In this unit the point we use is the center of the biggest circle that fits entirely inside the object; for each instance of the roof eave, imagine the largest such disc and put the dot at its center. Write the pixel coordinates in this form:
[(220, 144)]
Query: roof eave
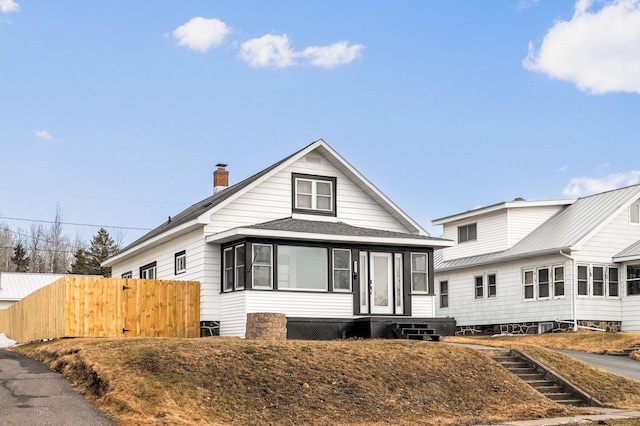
[(500, 206), (238, 233), (157, 240), (507, 258)]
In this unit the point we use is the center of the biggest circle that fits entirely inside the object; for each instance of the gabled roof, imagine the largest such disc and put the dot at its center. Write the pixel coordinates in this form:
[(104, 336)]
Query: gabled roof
[(567, 230), (195, 216), (299, 229)]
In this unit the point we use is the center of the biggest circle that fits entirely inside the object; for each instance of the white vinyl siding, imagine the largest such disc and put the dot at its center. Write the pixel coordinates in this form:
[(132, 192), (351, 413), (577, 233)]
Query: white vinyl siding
[(490, 236), (272, 200)]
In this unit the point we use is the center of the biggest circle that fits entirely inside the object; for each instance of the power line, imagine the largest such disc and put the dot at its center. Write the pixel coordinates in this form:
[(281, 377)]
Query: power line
[(75, 224)]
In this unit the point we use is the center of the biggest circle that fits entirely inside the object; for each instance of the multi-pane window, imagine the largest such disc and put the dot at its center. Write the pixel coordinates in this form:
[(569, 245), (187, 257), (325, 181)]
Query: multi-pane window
[(341, 270), (527, 280), (238, 263), (543, 283), (634, 213), (127, 275), (558, 281), (180, 262), (583, 280), (148, 272), (614, 286), (633, 280), (397, 280), (479, 287), (467, 233), (262, 264), (314, 194), (597, 284), (492, 285), (419, 282), (444, 294)]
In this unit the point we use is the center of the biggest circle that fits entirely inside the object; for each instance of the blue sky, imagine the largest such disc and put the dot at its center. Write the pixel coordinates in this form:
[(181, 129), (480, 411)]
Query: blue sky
[(118, 111)]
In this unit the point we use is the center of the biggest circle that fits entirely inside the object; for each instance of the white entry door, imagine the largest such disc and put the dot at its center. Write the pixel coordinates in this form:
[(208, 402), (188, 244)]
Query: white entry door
[(381, 277)]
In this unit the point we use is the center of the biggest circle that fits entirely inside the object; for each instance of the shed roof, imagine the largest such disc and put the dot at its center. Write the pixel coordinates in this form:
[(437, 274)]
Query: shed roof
[(630, 253)]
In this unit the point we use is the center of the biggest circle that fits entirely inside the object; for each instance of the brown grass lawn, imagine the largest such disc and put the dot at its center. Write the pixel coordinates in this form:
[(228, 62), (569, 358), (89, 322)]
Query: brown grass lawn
[(229, 381)]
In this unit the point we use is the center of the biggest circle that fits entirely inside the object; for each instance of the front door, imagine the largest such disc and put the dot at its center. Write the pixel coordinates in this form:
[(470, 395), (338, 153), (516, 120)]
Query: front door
[(381, 277)]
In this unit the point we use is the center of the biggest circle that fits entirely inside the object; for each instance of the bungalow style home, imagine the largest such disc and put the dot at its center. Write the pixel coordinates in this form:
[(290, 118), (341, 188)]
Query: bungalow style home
[(309, 237), (536, 266)]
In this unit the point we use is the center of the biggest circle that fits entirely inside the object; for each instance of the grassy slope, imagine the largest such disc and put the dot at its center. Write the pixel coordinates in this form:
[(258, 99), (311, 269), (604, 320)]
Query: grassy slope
[(232, 381), (613, 390)]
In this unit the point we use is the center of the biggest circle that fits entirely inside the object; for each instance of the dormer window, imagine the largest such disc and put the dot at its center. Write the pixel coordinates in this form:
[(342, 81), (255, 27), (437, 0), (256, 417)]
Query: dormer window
[(314, 194), (467, 233)]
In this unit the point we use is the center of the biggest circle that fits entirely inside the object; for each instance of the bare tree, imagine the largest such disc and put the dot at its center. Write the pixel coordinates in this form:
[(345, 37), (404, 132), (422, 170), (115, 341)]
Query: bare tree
[(6, 248)]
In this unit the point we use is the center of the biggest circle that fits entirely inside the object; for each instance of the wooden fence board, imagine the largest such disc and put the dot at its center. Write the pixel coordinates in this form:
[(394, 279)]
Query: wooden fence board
[(104, 307)]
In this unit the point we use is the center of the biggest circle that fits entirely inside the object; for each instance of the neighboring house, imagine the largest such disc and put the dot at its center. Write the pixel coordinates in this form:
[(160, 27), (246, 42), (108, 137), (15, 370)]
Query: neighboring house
[(309, 237), (533, 266), (14, 286)]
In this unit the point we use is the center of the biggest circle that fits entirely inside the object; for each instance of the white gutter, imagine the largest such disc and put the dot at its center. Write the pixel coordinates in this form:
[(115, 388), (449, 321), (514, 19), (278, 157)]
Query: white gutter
[(573, 290)]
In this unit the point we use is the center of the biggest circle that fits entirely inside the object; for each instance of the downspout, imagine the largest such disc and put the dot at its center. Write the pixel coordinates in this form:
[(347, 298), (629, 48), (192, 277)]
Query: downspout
[(574, 294)]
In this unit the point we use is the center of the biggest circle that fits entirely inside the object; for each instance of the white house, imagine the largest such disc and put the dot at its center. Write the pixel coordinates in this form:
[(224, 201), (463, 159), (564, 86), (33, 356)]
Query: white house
[(14, 286), (309, 237), (533, 266)]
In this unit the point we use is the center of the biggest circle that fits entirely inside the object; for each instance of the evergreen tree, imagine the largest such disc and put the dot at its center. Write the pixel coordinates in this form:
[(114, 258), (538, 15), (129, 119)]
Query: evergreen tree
[(87, 262), (80, 263), (19, 258)]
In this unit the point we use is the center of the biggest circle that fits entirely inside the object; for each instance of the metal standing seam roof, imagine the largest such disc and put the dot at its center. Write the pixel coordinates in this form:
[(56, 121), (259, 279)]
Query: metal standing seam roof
[(566, 229), (632, 251), (15, 286)]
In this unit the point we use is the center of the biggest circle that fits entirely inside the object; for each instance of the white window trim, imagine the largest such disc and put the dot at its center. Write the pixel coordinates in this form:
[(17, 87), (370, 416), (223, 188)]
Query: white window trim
[(476, 287), (548, 282), (426, 273), (225, 268), (146, 269), (533, 285), (563, 281), (466, 227), (635, 206), (443, 294)]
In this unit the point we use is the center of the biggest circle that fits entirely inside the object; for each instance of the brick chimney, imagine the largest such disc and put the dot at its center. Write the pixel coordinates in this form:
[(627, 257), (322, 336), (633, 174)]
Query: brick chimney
[(220, 178)]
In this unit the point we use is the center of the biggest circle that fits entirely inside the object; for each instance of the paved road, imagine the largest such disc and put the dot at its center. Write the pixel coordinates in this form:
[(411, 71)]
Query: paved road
[(623, 366), (31, 394)]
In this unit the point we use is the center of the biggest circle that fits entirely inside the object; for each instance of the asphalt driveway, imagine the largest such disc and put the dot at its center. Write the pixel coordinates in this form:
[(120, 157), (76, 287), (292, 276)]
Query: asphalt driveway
[(621, 365), (31, 394)]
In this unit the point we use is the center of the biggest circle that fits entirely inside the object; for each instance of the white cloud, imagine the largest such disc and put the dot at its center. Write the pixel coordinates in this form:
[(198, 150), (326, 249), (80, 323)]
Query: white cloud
[(43, 134), (526, 4), (275, 51), (562, 168), (268, 51), (597, 49), (201, 34), (579, 187), (8, 6), (331, 56)]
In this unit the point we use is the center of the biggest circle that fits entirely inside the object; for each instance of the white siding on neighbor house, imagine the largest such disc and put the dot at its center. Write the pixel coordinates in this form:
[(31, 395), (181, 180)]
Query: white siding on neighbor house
[(599, 308), (509, 305), (272, 200), (611, 240), (523, 220), (491, 236), (422, 306), (630, 312)]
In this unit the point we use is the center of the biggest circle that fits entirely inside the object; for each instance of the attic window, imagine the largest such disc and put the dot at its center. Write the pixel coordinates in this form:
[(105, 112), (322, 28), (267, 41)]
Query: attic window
[(467, 233), (314, 194)]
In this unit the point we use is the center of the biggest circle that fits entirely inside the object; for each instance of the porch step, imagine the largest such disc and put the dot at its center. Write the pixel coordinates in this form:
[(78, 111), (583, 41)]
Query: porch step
[(414, 331), (537, 379)]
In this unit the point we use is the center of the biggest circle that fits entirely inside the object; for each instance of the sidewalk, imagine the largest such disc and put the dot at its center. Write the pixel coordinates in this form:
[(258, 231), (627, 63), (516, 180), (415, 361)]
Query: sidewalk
[(608, 414), (31, 394)]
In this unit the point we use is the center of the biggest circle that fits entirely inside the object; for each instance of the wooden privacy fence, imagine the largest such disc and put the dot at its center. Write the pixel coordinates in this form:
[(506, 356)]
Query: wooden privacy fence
[(105, 307)]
